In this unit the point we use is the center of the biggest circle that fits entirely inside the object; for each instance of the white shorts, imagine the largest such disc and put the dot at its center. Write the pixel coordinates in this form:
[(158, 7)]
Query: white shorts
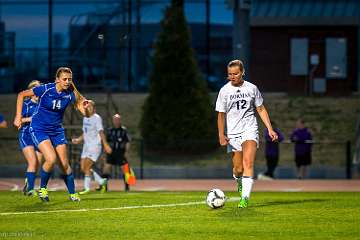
[(91, 151), (234, 144)]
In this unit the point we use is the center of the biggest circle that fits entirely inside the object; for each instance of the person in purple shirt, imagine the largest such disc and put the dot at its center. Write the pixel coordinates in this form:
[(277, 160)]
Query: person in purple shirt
[(271, 153), (302, 137), (3, 123)]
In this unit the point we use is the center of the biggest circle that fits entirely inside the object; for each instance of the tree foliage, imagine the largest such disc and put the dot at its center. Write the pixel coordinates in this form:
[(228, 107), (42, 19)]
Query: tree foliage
[(178, 112)]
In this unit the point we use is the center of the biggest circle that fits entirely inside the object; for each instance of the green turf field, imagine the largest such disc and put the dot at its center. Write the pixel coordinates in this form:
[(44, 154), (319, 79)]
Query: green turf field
[(130, 216)]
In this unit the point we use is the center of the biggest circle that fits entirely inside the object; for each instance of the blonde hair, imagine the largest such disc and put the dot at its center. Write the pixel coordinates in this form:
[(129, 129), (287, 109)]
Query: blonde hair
[(237, 63), (34, 83), (61, 70), (78, 95)]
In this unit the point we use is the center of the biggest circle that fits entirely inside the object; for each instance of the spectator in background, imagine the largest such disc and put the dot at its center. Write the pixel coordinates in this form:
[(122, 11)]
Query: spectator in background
[(3, 123), (271, 153), (301, 136)]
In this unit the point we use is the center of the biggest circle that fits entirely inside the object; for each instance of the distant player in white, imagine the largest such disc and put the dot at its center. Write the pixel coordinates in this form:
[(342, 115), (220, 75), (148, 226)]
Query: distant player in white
[(237, 102), (93, 135)]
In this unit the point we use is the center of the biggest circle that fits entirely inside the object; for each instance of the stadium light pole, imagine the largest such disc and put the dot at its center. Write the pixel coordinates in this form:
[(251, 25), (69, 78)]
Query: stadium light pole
[(50, 13), (101, 37), (241, 30), (129, 46), (208, 29)]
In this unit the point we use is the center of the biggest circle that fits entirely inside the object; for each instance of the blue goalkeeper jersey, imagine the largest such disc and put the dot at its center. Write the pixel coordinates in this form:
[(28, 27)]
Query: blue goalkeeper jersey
[(29, 107), (49, 114)]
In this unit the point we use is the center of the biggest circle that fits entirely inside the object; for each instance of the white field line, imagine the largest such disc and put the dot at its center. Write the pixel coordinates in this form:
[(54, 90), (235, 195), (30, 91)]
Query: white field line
[(114, 209)]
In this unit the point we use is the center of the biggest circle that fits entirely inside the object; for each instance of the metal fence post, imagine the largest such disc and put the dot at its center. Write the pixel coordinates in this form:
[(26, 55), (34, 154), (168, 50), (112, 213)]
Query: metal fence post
[(348, 160), (141, 159)]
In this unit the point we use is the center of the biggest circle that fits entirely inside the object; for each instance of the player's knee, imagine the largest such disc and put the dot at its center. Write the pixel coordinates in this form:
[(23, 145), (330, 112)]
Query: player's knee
[(51, 159), (238, 170), (248, 164)]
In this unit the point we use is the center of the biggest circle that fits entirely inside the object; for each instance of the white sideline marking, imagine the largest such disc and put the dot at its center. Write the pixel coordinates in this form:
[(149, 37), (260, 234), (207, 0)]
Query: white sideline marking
[(117, 208), (292, 190)]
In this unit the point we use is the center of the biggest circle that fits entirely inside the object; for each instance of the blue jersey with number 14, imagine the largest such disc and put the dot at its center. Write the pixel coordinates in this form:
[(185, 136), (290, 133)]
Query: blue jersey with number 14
[(52, 105)]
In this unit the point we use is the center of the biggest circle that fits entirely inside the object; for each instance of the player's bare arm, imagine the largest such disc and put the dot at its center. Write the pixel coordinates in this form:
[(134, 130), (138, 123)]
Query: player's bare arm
[(19, 106), (81, 102), (266, 120), (223, 140), (78, 140), (106, 145)]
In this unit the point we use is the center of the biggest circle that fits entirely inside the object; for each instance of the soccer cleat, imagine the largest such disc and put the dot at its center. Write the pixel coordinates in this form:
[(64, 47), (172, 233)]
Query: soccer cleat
[(104, 187), (243, 203), (86, 191), (31, 193), (43, 195), (24, 190), (74, 197)]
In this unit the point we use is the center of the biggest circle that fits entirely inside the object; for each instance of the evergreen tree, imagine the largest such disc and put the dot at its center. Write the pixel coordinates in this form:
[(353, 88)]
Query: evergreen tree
[(178, 112)]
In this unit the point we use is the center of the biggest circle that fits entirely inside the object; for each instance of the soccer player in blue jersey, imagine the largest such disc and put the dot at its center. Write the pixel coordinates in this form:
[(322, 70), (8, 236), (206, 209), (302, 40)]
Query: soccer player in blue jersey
[(46, 126), (32, 155)]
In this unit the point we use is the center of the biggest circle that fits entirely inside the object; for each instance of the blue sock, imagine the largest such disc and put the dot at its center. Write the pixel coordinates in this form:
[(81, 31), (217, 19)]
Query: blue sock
[(45, 176), (30, 176), (70, 183)]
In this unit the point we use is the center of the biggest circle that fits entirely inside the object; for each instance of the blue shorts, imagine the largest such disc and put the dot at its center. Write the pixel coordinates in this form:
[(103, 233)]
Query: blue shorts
[(25, 140), (56, 138)]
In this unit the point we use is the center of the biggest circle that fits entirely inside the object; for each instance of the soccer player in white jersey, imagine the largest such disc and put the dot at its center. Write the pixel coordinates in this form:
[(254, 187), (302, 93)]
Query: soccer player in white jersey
[(93, 135), (237, 102)]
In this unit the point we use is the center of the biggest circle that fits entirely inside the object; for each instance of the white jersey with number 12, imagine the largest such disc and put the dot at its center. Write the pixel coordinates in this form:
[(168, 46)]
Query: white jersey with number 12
[(239, 104)]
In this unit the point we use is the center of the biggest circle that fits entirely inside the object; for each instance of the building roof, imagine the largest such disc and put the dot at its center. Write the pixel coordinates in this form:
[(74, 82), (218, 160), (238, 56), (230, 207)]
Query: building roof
[(305, 12)]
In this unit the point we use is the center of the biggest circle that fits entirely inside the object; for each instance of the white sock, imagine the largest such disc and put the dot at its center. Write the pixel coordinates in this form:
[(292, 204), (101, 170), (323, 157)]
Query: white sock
[(247, 183), (97, 177), (87, 181)]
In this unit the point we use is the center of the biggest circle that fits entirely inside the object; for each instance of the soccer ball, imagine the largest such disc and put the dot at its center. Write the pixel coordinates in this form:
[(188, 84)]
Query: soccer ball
[(215, 198)]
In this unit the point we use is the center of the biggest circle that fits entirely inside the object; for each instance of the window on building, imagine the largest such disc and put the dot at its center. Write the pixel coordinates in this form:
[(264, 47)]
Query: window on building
[(299, 56), (336, 62)]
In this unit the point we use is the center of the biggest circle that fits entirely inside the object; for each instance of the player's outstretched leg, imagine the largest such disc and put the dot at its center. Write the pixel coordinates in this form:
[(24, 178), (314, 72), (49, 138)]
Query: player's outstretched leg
[(87, 182), (239, 184), (101, 181), (104, 188), (238, 170)]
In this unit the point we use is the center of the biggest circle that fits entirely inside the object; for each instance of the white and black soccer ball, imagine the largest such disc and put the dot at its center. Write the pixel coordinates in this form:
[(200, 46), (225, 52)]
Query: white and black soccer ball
[(215, 198)]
